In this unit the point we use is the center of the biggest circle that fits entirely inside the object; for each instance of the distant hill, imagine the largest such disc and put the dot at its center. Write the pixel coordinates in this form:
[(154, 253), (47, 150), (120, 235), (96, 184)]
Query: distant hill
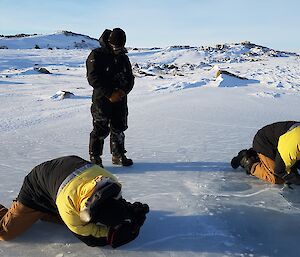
[(59, 40), (227, 52)]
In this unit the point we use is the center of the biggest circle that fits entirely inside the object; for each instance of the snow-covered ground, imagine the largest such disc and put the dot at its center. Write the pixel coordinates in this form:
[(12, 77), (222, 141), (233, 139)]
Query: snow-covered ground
[(185, 125)]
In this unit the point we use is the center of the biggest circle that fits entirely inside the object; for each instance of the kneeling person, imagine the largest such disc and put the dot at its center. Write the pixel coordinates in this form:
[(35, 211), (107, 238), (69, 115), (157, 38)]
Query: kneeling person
[(275, 154), (83, 196)]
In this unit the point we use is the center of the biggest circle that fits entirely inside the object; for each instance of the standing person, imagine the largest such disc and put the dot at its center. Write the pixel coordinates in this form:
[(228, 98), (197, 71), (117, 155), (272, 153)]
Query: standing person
[(275, 154), (109, 72), (72, 191)]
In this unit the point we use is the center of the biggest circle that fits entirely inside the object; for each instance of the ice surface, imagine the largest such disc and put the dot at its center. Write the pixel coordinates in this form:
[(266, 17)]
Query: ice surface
[(181, 138)]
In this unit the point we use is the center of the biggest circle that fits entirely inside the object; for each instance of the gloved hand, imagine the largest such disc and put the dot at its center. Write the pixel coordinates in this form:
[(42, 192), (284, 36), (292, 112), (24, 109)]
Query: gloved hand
[(117, 95), (292, 178), (120, 80), (122, 234), (247, 163), (138, 212)]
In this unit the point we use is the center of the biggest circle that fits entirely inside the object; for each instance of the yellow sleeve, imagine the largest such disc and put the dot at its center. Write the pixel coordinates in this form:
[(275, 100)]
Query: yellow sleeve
[(70, 216), (73, 196), (289, 148)]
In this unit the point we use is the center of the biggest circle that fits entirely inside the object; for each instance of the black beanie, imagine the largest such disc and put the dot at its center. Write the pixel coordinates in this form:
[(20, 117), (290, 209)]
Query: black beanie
[(105, 204), (117, 37), (110, 212)]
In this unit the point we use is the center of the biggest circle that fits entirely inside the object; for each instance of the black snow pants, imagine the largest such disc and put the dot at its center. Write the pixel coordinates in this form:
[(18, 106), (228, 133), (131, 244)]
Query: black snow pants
[(108, 118)]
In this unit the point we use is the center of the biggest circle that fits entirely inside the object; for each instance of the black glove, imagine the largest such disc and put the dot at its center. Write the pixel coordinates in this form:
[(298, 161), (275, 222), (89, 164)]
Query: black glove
[(120, 80), (137, 208), (247, 163), (136, 213), (292, 178), (122, 234)]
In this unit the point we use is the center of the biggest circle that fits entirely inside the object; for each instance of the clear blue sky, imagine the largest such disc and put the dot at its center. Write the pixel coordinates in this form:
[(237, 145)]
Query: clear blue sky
[(273, 23)]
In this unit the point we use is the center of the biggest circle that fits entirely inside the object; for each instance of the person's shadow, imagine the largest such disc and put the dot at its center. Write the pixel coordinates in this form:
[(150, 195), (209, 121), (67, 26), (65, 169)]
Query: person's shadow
[(162, 231), (230, 226), (142, 167), (231, 230)]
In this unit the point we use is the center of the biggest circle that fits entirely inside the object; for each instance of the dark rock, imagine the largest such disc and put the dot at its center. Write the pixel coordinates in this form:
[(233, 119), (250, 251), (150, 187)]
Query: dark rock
[(219, 72), (62, 94), (42, 70)]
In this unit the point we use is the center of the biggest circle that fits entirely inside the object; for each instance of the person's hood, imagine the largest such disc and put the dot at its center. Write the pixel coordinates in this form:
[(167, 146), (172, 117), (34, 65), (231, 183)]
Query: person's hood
[(103, 40)]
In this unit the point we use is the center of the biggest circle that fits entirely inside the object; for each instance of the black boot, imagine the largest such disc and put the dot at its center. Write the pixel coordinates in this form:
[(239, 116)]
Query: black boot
[(96, 150), (121, 160), (248, 161), (96, 160), (236, 161), (117, 148)]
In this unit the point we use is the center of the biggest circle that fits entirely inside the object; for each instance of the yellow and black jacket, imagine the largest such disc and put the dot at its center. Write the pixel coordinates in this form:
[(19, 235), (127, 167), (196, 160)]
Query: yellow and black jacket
[(289, 147), (45, 189), (280, 142)]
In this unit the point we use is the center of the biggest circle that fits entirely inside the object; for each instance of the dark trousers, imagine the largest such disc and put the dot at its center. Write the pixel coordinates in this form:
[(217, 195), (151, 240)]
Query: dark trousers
[(108, 119)]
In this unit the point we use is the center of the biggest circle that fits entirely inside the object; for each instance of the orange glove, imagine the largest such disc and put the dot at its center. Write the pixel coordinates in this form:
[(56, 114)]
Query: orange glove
[(117, 95)]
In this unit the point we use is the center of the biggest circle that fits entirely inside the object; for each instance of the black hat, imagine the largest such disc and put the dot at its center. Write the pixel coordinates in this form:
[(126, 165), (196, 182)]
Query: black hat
[(110, 212), (117, 38), (104, 205)]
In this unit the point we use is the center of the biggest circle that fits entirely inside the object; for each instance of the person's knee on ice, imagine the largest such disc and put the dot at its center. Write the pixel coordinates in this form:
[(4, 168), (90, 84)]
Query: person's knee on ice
[(7, 237), (17, 219)]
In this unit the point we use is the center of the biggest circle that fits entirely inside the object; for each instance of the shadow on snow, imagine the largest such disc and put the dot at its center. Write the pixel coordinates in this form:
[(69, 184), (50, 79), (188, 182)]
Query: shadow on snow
[(141, 167), (238, 230)]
